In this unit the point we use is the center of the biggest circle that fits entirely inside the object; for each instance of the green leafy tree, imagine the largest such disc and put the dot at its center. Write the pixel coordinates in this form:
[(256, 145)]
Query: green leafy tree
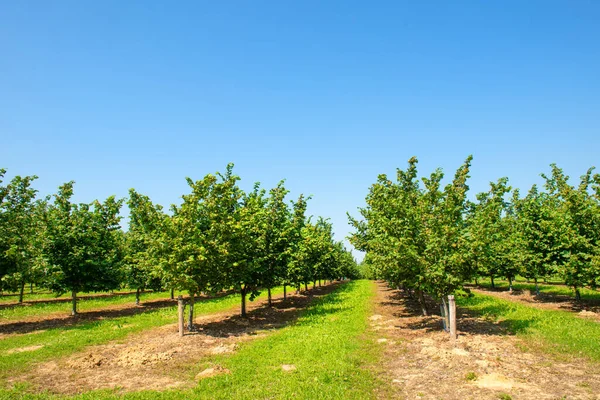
[(275, 238), (579, 220), (413, 235), (540, 233), (140, 262), (82, 248), (21, 232)]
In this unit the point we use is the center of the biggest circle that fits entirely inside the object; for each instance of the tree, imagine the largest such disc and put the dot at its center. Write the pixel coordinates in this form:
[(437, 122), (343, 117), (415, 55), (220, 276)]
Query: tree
[(540, 235), (140, 265), (414, 237), (295, 274), (488, 233), (275, 239), (82, 245), (579, 221), (20, 233)]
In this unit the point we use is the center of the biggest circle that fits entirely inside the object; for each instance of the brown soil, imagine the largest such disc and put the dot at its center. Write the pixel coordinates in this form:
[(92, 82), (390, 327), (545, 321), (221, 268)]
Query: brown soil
[(159, 359), (485, 363), (588, 309)]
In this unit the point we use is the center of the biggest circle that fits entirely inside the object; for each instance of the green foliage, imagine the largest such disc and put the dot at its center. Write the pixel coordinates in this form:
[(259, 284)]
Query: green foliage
[(471, 376), (21, 233), (82, 246), (425, 239), (145, 221), (413, 234)]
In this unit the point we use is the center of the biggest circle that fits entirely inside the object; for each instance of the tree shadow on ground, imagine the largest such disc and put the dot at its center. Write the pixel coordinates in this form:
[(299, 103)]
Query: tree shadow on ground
[(482, 321), (561, 301), (101, 297), (282, 313), (51, 321)]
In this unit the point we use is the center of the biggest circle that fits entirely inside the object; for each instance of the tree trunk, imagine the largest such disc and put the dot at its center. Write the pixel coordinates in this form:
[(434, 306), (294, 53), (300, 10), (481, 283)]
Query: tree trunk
[(269, 297), (31, 288), (422, 302), (305, 287), (191, 314), (537, 287), (319, 283), (243, 303), (577, 294), (137, 297), (172, 294), (314, 283), (298, 289), (493, 286), (74, 303), (510, 288), (284, 291), (21, 291), (476, 283), (445, 317)]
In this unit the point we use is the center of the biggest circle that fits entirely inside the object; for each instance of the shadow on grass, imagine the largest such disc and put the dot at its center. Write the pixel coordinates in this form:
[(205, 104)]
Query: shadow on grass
[(478, 318), (526, 293), (282, 313), (107, 297), (62, 321)]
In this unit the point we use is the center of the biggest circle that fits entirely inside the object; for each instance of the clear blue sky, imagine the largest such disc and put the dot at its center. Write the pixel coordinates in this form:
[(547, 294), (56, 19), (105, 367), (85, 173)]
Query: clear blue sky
[(327, 95)]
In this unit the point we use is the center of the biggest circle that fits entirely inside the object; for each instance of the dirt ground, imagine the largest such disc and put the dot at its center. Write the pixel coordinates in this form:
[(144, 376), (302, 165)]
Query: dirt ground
[(159, 359), (486, 363), (586, 309)]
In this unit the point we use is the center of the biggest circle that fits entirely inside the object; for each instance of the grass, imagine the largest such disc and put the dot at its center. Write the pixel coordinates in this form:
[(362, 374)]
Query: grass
[(556, 332), (19, 311), (44, 294), (328, 345), (63, 341), (554, 290)]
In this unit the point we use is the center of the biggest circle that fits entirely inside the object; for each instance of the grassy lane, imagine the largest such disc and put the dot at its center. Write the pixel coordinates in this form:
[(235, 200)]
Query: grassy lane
[(20, 352), (328, 347), (323, 346), (556, 332)]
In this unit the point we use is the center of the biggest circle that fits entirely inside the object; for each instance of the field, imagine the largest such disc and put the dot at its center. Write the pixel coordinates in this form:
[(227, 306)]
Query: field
[(354, 339)]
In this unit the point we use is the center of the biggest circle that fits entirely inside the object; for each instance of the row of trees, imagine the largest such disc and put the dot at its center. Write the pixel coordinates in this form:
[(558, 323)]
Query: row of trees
[(432, 239), (218, 238)]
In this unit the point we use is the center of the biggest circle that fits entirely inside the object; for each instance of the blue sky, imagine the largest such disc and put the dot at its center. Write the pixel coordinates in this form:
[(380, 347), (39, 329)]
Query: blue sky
[(327, 95)]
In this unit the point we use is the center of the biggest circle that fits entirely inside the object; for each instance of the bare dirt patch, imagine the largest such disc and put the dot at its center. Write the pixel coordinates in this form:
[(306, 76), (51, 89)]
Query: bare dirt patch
[(159, 359), (24, 349), (486, 362)]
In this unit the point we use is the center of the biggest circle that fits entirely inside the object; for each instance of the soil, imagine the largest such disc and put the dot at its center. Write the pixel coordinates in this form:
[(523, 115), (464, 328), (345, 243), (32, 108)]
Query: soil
[(485, 362), (159, 359), (586, 309)]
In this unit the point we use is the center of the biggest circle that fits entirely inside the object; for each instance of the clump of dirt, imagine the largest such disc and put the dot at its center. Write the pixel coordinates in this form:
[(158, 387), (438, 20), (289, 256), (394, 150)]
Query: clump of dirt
[(221, 349), (24, 349), (213, 371), (420, 361)]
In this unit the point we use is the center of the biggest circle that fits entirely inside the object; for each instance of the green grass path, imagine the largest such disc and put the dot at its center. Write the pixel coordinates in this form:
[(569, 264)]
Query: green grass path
[(329, 346)]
